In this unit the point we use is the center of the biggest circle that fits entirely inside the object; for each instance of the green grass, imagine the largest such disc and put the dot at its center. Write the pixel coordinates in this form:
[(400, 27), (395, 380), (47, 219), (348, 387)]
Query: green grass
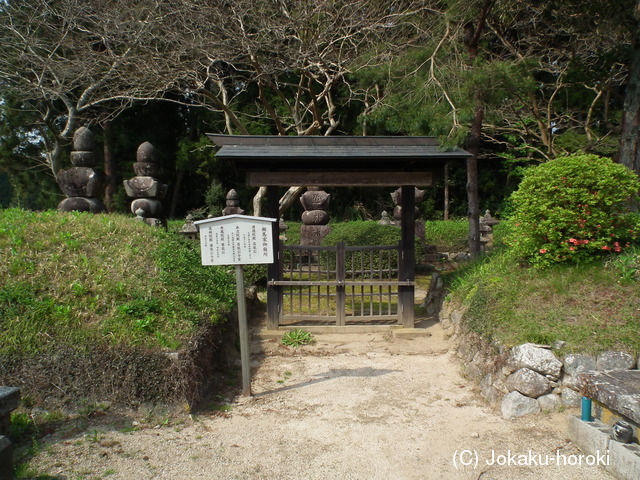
[(297, 338), (447, 235), (592, 307), (81, 280)]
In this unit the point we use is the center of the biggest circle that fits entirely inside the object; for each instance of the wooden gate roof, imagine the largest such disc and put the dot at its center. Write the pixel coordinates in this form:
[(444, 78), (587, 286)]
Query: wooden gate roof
[(335, 160)]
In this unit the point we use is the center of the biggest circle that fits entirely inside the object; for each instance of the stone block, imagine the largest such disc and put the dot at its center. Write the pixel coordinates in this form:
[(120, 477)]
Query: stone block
[(83, 159), (515, 405), (591, 437), (615, 361), (81, 204), (571, 398), (624, 460), (550, 402), (81, 182), (491, 395), (150, 207), (535, 357), (144, 187), (146, 169), (571, 381), (576, 363), (617, 390), (315, 217), (313, 234), (529, 383)]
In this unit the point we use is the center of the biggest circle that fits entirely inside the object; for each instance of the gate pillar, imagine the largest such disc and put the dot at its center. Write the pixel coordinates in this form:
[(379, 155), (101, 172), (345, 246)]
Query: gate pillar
[(274, 293), (407, 267)]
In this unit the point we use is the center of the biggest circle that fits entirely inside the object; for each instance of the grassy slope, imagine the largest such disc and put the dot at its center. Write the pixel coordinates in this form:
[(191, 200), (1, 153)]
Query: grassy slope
[(81, 280), (592, 307), (85, 279)]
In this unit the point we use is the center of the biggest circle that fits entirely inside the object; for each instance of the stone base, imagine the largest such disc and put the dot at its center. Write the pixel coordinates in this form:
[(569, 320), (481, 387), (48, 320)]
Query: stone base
[(594, 438), (616, 396), (151, 208), (313, 234), (82, 204)]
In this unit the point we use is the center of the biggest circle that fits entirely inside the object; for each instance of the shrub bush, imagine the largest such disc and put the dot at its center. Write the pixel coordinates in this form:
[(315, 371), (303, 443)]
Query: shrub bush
[(572, 209), (362, 233)]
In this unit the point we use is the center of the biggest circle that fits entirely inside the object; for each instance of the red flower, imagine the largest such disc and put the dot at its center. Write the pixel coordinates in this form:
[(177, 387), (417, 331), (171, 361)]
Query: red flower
[(543, 250)]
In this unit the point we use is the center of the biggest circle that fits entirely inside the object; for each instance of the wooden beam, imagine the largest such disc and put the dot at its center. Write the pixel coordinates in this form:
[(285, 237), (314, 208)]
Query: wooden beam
[(339, 179)]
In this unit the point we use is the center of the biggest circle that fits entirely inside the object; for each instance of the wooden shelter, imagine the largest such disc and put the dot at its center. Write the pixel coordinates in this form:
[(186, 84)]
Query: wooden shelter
[(340, 161)]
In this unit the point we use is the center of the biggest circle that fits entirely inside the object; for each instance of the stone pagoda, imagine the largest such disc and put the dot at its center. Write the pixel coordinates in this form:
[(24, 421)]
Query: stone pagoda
[(144, 188), (315, 217), (82, 184)]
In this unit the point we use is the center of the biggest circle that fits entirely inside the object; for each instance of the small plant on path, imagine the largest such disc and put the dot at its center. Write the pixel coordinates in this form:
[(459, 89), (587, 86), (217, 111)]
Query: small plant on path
[(296, 338)]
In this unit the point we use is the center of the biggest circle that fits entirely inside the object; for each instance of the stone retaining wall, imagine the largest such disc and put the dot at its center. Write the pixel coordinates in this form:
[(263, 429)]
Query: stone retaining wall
[(528, 378)]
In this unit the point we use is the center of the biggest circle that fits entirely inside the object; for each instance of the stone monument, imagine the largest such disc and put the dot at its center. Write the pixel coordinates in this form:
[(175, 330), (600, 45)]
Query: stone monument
[(384, 219), (144, 188), (82, 184), (314, 218), (396, 196), (232, 204)]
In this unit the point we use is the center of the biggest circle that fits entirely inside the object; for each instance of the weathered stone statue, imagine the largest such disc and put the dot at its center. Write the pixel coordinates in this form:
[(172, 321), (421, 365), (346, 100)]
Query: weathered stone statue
[(314, 218), (144, 188), (82, 184)]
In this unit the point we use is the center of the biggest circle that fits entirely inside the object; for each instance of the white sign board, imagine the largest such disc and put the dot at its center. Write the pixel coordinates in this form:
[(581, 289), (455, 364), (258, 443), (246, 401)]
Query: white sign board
[(236, 240)]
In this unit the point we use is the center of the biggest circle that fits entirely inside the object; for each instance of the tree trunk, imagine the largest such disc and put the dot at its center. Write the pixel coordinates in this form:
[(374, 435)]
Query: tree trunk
[(257, 201), (289, 197), (629, 154), (472, 40), (176, 193), (109, 167), (472, 181), (285, 203), (446, 191), (54, 158)]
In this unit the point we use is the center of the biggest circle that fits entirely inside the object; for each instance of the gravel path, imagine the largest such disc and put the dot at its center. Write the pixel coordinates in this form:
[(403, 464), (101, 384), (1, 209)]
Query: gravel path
[(349, 407)]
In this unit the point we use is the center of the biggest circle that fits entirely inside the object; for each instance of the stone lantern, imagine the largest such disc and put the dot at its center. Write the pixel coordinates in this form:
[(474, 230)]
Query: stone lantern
[(487, 222), (189, 229)]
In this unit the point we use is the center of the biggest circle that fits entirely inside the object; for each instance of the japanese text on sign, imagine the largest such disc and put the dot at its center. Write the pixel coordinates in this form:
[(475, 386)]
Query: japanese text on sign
[(236, 240)]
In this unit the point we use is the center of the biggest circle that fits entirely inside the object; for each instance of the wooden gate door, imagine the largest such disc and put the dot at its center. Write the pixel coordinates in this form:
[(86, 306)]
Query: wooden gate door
[(339, 285)]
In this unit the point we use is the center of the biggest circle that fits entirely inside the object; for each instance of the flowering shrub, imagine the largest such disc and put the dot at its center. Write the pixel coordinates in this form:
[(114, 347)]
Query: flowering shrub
[(573, 208)]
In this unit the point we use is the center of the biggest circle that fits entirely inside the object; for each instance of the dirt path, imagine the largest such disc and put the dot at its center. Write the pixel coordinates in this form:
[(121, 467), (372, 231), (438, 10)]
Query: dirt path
[(349, 407)]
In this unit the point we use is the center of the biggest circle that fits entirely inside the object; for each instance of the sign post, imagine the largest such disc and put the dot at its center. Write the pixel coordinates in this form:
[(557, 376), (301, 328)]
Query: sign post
[(237, 240)]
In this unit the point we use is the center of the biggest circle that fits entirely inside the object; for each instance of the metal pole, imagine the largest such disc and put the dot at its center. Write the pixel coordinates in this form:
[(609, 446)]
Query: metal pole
[(244, 333)]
